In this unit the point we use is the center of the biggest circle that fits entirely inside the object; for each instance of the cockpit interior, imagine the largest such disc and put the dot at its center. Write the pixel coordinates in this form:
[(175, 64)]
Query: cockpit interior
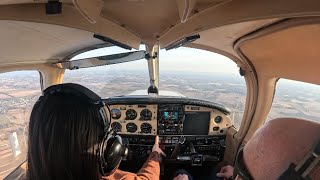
[(265, 41)]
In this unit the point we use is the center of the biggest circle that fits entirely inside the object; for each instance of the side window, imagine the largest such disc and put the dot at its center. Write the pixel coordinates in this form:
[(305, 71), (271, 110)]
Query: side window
[(296, 99), (18, 93)]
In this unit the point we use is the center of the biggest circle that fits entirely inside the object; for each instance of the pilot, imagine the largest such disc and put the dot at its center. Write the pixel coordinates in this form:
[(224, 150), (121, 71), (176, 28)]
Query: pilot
[(282, 149), (70, 138)]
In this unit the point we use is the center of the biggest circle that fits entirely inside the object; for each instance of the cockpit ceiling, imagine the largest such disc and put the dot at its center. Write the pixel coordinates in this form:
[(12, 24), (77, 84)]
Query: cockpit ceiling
[(286, 50), (29, 35), (222, 39), (138, 13), (37, 42)]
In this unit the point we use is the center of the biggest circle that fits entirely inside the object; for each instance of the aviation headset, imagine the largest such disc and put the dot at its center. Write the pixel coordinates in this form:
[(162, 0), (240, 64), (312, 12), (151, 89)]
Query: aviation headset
[(110, 150)]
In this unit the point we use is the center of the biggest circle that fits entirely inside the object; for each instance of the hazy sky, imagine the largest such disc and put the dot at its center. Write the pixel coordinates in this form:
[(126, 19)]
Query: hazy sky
[(181, 59)]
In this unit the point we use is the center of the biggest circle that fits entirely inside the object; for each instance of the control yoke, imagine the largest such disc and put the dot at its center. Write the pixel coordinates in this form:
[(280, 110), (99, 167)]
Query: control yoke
[(195, 158), (177, 148)]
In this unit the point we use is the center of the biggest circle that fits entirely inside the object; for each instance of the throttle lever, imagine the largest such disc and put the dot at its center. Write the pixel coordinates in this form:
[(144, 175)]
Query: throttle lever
[(192, 149), (196, 159), (177, 148)]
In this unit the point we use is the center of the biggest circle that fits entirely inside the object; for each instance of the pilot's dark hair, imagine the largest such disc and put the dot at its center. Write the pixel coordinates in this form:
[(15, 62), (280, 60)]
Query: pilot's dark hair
[(64, 131)]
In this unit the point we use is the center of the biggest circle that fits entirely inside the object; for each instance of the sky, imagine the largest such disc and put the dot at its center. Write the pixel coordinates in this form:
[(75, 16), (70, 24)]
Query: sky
[(181, 59)]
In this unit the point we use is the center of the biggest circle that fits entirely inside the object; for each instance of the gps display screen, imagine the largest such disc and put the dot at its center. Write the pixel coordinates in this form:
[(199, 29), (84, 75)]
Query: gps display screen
[(196, 123), (171, 116)]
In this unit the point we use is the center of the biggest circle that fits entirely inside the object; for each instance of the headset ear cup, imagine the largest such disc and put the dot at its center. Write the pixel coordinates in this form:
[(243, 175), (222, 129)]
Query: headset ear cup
[(111, 154), (102, 161), (124, 149)]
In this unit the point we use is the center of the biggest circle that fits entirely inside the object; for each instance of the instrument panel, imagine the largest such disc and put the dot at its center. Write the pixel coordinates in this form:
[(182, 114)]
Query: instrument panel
[(168, 119), (134, 119), (191, 132)]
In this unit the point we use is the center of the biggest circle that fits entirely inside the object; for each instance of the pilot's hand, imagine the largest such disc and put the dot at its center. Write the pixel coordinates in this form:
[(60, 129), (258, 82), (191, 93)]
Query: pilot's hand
[(181, 177), (226, 171), (156, 147)]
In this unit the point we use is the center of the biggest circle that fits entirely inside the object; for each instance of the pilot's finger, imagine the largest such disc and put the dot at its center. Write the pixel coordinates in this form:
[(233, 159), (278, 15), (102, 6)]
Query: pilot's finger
[(162, 153), (221, 174), (156, 141), (177, 177), (182, 177), (223, 169)]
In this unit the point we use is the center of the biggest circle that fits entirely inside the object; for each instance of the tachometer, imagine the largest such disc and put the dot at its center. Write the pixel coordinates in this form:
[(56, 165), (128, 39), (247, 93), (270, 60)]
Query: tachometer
[(146, 128), (145, 115), (116, 126), (115, 113), (131, 127), (131, 114)]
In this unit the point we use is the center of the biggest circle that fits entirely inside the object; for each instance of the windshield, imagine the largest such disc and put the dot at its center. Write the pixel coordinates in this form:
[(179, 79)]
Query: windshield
[(204, 75), (112, 80), (191, 72)]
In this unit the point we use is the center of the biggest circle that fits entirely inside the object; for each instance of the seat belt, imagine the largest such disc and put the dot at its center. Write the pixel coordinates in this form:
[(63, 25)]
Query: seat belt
[(305, 167)]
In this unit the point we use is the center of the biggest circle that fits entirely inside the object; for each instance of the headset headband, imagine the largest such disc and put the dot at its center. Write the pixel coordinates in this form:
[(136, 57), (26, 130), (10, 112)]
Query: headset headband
[(76, 89), (81, 91)]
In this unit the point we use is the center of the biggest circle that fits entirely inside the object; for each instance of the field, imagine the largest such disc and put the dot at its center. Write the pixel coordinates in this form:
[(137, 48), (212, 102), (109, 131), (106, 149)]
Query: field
[(17, 96)]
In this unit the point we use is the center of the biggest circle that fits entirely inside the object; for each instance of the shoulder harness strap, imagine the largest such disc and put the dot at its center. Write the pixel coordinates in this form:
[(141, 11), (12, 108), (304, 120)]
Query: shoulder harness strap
[(305, 167)]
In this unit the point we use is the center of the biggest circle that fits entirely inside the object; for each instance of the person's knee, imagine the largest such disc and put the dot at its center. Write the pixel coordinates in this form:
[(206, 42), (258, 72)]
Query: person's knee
[(182, 174)]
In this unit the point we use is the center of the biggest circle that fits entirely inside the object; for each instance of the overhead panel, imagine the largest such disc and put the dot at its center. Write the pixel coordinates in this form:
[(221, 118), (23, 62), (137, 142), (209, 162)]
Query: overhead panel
[(148, 18)]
